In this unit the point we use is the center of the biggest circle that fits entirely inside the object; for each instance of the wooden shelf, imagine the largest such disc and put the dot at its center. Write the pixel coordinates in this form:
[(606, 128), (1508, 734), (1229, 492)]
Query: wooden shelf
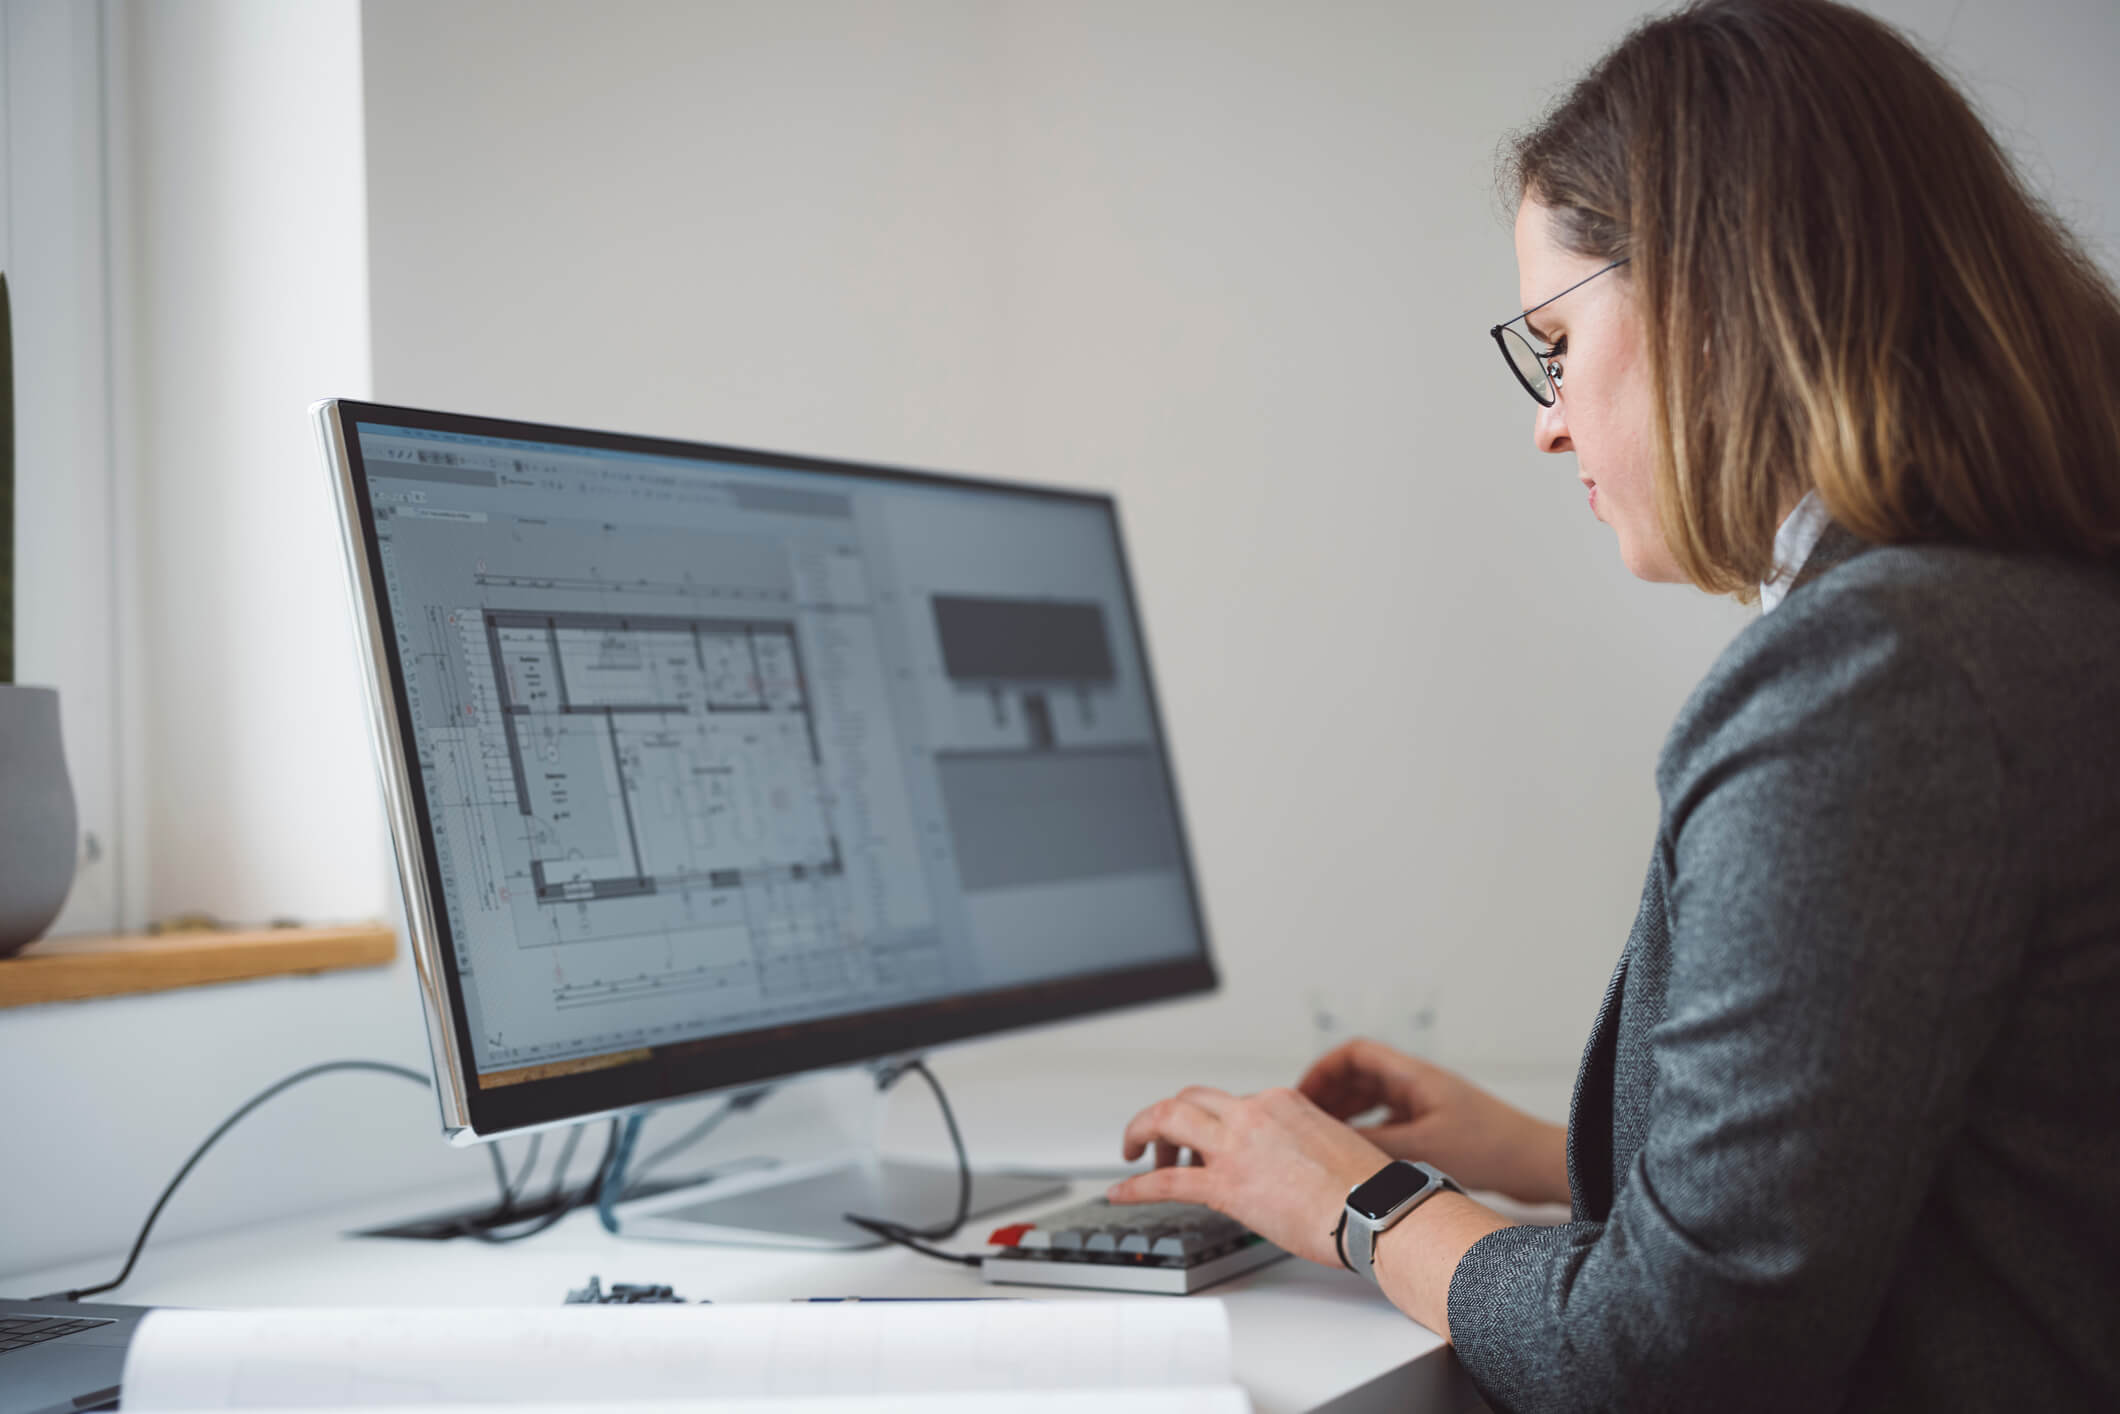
[(76, 969)]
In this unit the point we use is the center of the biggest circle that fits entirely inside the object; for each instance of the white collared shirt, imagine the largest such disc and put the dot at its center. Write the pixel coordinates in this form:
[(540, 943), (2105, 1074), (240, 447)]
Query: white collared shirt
[(1793, 544)]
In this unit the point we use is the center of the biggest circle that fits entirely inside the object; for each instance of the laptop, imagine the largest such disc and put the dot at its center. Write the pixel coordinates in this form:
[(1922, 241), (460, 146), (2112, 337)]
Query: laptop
[(60, 1357)]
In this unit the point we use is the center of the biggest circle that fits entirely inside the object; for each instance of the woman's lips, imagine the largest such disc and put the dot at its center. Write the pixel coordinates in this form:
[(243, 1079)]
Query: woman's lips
[(1593, 498)]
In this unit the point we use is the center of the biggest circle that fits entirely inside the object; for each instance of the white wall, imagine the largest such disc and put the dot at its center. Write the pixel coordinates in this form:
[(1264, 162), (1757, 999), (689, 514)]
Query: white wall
[(771, 224), (248, 256), (1235, 262)]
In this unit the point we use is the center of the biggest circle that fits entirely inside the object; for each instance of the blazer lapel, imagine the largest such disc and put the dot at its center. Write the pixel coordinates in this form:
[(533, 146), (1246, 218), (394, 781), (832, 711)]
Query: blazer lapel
[(1590, 1109)]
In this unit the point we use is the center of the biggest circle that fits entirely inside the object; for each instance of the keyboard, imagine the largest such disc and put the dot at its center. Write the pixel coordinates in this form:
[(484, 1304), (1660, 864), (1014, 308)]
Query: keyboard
[(19, 1331), (1170, 1248)]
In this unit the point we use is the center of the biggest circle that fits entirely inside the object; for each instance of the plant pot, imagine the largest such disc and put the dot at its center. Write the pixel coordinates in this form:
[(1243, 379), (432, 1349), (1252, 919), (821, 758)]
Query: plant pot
[(37, 821)]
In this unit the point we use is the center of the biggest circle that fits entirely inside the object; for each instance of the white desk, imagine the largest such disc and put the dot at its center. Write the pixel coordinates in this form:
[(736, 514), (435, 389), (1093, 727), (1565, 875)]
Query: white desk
[(1306, 1338)]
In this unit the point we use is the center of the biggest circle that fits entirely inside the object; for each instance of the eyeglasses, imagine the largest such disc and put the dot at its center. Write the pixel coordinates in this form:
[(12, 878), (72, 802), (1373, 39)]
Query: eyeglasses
[(1539, 370)]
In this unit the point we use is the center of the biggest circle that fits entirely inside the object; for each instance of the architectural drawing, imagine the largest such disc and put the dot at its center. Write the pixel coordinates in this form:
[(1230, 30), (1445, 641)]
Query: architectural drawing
[(653, 753)]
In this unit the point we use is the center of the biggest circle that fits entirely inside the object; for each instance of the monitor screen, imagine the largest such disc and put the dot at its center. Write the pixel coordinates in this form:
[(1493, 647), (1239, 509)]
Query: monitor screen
[(724, 765)]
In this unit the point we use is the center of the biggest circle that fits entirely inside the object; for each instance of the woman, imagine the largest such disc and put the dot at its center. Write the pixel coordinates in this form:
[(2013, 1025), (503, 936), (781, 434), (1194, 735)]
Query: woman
[(1847, 1131)]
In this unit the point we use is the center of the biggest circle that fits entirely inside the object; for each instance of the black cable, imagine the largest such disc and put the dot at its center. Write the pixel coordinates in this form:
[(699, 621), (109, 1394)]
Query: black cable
[(562, 1201), (917, 1238), (522, 1175), (199, 1153), (500, 1176), (511, 1187), (555, 1206), (907, 1238)]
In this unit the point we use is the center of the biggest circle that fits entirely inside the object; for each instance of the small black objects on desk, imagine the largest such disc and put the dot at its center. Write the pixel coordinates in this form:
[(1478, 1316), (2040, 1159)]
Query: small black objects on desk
[(623, 1294)]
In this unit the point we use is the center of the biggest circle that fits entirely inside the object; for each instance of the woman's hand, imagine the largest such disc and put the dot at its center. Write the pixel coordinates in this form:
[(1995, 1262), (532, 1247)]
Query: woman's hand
[(1273, 1161), (1440, 1117)]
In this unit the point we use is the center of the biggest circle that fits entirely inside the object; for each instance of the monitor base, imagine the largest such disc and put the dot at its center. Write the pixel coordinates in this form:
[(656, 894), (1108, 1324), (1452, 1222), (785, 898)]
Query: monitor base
[(803, 1205)]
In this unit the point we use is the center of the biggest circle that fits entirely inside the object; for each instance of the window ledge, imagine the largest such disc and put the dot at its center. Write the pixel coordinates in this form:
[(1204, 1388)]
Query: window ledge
[(77, 969)]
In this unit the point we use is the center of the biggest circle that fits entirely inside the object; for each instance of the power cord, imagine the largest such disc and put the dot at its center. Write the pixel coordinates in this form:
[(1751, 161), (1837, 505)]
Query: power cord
[(482, 1228), (918, 1238), (382, 1067)]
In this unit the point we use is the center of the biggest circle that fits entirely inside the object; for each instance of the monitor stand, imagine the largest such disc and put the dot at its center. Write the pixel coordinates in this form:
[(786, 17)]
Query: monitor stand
[(803, 1205)]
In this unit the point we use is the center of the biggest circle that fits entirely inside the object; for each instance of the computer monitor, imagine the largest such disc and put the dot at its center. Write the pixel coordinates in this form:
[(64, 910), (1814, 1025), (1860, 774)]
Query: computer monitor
[(708, 766)]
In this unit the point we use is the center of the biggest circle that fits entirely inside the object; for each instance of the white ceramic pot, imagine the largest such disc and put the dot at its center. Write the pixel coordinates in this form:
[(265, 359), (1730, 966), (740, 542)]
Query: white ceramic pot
[(37, 820)]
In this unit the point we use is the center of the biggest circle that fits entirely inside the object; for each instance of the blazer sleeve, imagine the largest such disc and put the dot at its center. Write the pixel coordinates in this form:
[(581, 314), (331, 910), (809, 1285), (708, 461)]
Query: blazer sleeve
[(1844, 933)]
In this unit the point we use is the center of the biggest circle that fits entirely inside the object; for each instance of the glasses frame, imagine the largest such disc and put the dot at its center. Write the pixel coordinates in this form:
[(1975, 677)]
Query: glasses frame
[(1502, 333)]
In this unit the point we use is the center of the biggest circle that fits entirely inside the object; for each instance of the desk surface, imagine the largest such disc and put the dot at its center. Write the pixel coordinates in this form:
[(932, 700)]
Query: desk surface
[(1306, 1338)]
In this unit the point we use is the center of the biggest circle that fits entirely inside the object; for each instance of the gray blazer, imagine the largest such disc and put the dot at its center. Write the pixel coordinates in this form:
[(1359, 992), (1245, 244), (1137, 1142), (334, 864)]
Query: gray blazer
[(1847, 1132)]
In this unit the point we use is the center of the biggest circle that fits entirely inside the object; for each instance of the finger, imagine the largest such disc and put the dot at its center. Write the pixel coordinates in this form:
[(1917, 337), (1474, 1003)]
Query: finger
[(1182, 1184), (1340, 1084), (1207, 1097), (1166, 1153), (1372, 1074), (1130, 1147), (1177, 1121), (1343, 1062)]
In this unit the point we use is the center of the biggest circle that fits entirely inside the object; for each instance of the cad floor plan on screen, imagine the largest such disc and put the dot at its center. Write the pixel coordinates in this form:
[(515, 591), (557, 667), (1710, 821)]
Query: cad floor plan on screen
[(707, 749)]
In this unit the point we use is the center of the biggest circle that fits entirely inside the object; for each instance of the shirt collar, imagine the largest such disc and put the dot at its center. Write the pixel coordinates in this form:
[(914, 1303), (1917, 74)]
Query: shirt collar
[(1793, 544)]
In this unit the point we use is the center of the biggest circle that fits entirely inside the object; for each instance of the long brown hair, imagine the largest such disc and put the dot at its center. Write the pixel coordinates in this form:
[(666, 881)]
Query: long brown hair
[(1887, 313)]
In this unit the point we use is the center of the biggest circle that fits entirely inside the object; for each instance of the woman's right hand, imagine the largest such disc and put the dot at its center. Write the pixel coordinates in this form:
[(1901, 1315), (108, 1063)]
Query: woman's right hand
[(1439, 1117)]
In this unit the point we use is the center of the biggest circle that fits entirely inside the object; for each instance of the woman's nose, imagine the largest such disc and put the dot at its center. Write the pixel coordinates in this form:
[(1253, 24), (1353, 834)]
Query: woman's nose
[(1549, 432)]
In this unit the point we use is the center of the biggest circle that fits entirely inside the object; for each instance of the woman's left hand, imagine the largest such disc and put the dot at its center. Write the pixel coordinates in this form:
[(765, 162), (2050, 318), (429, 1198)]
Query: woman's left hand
[(1273, 1161)]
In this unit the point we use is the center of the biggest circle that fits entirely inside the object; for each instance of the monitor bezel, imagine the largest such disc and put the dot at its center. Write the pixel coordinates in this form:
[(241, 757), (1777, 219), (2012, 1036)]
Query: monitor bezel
[(715, 1063)]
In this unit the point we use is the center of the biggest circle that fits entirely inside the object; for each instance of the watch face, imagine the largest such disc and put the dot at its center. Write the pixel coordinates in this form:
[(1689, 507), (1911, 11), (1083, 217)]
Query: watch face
[(1391, 1187)]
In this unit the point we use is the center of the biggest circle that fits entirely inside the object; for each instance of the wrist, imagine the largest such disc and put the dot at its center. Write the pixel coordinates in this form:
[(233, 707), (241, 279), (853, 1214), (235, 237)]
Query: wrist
[(1417, 1258), (1393, 1247)]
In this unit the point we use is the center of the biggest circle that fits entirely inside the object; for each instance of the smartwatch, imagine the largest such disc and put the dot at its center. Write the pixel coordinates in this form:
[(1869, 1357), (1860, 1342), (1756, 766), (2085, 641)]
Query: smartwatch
[(1380, 1201)]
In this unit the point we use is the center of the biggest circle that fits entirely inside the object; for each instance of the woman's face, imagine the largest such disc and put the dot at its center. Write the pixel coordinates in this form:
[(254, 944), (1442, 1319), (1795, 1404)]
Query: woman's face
[(1604, 413)]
